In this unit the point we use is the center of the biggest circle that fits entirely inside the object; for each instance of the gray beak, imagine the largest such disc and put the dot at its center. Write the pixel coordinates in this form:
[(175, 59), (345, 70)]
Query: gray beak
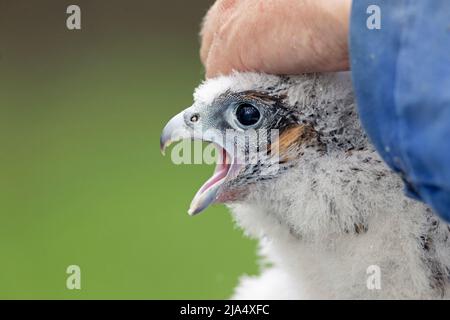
[(181, 127), (175, 130)]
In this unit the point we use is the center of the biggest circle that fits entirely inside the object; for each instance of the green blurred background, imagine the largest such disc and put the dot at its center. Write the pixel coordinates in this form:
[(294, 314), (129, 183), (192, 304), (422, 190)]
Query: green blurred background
[(82, 179)]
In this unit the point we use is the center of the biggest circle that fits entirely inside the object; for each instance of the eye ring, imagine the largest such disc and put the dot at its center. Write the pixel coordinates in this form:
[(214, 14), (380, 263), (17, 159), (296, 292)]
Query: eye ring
[(194, 118), (247, 115)]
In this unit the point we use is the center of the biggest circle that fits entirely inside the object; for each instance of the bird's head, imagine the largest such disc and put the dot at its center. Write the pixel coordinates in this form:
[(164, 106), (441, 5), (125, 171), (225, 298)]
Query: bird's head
[(259, 125)]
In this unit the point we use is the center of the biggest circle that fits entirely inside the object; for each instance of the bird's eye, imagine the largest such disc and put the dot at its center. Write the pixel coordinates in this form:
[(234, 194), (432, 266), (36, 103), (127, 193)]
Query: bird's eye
[(247, 114)]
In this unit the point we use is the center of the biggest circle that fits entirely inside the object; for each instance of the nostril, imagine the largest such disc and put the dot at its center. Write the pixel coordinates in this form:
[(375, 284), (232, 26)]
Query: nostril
[(194, 117)]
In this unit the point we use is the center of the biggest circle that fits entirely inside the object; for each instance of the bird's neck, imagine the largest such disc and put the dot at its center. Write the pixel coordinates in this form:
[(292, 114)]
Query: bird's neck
[(334, 220)]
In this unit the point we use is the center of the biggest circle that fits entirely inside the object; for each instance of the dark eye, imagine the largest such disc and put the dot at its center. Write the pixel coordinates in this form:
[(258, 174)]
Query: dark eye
[(247, 114)]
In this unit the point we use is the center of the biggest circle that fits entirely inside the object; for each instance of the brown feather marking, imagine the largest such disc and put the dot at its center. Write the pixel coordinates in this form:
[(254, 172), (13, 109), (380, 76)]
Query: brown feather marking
[(263, 96), (293, 138)]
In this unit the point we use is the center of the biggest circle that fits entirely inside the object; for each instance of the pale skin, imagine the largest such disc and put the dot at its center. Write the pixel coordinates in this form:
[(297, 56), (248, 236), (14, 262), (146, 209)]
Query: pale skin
[(276, 36)]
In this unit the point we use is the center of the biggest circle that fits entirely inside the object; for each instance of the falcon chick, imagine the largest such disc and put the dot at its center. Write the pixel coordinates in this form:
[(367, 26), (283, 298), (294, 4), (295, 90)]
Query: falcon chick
[(332, 220)]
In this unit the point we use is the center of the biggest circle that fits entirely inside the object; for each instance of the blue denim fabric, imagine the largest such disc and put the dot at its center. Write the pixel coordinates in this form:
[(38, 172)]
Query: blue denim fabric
[(401, 76)]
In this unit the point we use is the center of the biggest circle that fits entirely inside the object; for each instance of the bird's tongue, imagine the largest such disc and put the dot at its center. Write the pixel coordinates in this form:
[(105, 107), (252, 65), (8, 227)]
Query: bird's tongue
[(206, 195)]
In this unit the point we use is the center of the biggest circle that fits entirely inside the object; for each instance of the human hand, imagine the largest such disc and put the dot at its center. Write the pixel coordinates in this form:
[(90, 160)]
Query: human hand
[(276, 36)]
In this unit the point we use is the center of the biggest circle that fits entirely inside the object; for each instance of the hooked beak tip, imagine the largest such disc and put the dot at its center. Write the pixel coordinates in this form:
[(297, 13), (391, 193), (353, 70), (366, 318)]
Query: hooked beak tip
[(163, 146), (172, 132)]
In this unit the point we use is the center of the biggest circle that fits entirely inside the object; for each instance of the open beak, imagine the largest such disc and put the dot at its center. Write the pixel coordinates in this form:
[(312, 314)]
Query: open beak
[(177, 129)]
